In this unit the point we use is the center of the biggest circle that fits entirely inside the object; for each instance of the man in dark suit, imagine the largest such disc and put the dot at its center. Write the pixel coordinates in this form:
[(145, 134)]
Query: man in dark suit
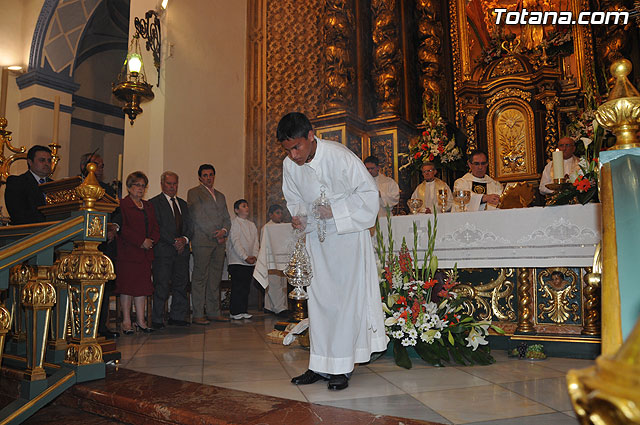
[(23, 195), (107, 247), (171, 254), (211, 224)]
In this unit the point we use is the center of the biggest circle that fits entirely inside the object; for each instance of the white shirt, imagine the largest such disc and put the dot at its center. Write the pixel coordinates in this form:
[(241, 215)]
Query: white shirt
[(428, 192), (389, 193), (242, 242), (169, 198), (476, 204), (570, 166), (345, 315)]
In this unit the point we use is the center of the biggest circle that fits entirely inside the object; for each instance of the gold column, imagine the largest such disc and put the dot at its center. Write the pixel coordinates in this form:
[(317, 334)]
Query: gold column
[(470, 111), (339, 68), (387, 62), (60, 313), (592, 296), (429, 50), (549, 100), (38, 296), (19, 276), (525, 325)]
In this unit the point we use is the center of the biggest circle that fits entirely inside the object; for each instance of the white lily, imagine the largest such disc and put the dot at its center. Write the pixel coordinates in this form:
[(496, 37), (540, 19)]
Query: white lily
[(475, 339)]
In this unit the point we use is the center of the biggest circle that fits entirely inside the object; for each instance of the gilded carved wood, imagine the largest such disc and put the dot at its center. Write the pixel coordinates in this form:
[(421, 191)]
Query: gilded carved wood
[(387, 57), (429, 55)]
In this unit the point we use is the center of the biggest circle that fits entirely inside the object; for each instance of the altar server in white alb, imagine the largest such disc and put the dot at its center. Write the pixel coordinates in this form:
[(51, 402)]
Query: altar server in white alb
[(345, 314), (275, 295), (387, 187), (570, 162), (485, 191), (428, 190)]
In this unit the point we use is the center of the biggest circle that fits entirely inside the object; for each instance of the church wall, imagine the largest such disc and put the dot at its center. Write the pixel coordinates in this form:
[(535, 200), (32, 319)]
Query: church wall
[(198, 114)]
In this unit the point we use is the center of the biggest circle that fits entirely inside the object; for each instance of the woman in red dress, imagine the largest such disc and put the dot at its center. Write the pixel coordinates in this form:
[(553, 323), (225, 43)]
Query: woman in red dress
[(138, 233)]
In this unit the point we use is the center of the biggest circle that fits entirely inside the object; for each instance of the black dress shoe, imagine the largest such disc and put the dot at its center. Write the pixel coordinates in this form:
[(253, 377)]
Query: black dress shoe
[(174, 322), (157, 326), (146, 330), (309, 377), (338, 382)]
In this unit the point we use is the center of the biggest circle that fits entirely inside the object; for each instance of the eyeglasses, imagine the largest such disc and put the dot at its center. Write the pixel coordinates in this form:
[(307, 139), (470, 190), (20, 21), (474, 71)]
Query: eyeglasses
[(141, 185), (479, 163), (428, 171)]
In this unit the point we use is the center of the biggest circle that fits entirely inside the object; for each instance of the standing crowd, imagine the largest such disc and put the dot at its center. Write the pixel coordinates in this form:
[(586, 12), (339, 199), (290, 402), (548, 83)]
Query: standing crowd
[(150, 243)]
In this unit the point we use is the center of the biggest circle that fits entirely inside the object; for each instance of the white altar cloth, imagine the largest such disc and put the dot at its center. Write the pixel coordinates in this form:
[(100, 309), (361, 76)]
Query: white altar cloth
[(523, 237)]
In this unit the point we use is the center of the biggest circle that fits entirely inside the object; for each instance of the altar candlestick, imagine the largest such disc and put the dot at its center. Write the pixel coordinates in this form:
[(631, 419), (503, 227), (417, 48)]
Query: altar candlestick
[(558, 165), (56, 119), (3, 99), (119, 177)]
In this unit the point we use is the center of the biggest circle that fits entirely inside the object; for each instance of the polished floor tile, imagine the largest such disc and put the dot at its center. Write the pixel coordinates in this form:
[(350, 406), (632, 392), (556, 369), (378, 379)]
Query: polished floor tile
[(550, 419), (431, 379), (476, 404), (512, 371), (238, 355), (402, 405), (551, 392)]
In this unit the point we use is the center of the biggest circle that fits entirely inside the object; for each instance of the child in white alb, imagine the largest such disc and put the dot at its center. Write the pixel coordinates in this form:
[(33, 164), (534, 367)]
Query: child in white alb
[(242, 252)]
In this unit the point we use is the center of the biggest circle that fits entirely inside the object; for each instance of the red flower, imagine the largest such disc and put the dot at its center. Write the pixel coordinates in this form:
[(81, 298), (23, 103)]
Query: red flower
[(402, 300), (388, 275), (582, 184), (424, 147), (430, 284), (404, 315), (417, 155), (443, 294), (424, 133), (431, 157)]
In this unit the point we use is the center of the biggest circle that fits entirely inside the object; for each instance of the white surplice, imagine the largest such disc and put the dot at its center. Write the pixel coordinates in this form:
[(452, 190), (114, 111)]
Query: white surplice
[(570, 165), (428, 192), (275, 295), (389, 193), (346, 321), (465, 183)]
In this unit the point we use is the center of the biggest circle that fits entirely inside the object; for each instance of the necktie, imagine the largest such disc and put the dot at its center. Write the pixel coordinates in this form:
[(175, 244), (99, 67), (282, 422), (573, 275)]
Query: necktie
[(42, 181), (177, 215)]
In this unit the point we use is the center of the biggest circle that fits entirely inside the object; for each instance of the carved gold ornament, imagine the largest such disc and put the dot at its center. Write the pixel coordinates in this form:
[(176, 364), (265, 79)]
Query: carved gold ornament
[(92, 296), (62, 196), (525, 325), (84, 354), (96, 226), (85, 263), (387, 64), (621, 112), (560, 298), (484, 299), (510, 92), (74, 306), (39, 293), (5, 320), (90, 190), (507, 66)]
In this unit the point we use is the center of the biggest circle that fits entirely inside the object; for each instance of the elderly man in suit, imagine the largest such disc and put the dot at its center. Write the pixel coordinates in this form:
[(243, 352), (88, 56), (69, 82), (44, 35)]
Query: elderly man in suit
[(171, 254), (22, 195), (211, 224)]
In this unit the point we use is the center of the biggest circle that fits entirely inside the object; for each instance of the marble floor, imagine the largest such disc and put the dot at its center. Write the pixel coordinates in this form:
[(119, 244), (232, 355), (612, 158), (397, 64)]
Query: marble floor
[(237, 355)]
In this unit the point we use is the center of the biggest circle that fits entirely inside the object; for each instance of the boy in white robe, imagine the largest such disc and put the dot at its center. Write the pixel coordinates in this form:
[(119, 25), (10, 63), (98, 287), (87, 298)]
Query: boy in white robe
[(387, 187), (275, 295), (346, 321), (485, 191)]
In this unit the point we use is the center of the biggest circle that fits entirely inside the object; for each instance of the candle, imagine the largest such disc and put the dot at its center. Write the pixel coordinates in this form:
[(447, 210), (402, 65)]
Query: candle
[(56, 119), (558, 165), (119, 176), (3, 99)]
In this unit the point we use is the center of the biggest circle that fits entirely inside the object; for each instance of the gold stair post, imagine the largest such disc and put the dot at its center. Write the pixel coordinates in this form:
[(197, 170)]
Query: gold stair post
[(57, 345), (38, 296), (86, 270), (525, 326), (19, 276)]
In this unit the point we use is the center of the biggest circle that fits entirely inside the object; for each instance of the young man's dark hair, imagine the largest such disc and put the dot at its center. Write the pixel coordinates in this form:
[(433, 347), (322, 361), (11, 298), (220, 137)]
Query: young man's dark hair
[(239, 202), (372, 160), (294, 125), (273, 208), (206, 167), (31, 154)]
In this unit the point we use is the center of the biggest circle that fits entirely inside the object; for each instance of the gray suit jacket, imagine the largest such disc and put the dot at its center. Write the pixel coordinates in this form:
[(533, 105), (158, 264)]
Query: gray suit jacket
[(208, 215), (167, 223)]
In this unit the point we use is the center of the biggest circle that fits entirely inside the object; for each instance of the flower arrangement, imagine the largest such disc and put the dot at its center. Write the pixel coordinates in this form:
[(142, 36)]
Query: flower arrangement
[(433, 145), (434, 324)]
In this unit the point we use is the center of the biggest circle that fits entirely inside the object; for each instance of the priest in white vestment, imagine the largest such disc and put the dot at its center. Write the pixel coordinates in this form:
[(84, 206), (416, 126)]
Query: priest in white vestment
[(387, 187), (427, 191), (570, 162), (346, 321), (485, 191)]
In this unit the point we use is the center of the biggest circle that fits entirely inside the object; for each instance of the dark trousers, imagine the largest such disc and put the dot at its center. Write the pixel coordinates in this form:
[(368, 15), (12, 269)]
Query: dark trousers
[(170, 275), (241, 278)]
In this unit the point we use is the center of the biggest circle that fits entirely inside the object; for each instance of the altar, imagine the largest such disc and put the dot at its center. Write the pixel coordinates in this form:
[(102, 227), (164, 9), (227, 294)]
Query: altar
[(506, 259)]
